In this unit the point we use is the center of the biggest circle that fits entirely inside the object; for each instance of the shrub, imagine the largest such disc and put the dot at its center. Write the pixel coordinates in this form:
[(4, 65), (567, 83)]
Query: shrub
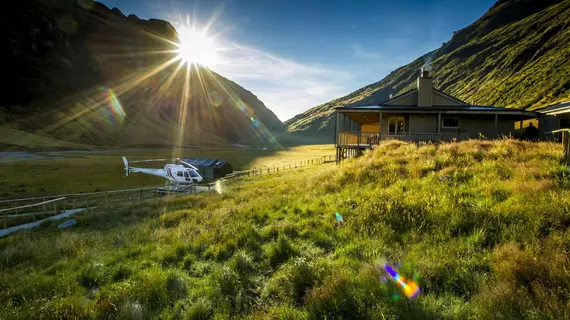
[(94, 275), (72, 307), (200, 310), (132, 311), (176, 286), (242, 263), (293, 280), (150, 288), (280, 251)]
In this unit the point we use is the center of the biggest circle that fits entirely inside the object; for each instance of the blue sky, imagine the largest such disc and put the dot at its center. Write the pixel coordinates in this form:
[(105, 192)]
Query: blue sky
[(295, 55)]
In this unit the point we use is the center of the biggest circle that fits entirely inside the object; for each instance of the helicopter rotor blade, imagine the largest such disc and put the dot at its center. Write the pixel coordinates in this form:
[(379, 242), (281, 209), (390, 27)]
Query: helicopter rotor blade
[(150, 160), (186, 163)]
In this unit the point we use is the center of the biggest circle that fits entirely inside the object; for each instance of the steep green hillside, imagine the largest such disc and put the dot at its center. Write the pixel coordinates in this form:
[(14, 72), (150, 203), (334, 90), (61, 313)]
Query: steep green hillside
[(82, 73), (517, 55), (482, 227)]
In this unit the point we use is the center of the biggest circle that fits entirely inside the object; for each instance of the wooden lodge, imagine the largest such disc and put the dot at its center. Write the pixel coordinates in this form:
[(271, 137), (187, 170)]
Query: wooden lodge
[(423, 114)]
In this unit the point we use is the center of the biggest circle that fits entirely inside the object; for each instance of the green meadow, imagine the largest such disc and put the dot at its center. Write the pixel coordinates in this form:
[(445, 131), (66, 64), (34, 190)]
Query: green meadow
[(482, 226), (104, 171)]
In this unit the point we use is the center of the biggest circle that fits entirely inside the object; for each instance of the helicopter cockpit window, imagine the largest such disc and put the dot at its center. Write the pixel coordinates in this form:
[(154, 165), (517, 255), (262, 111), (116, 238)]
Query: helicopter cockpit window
[(194, 174), (186, 174), (179, 174)]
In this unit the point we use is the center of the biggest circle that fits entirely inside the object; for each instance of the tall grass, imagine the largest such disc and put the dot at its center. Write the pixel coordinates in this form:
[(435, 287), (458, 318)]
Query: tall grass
[(482, 226)]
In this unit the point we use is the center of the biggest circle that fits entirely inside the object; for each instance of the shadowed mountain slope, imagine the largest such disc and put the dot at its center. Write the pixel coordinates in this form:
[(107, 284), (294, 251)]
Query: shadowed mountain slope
[(82, 73)]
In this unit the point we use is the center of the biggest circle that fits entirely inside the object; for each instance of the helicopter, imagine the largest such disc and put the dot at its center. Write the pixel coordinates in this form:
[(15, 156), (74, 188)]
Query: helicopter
[(180, 172)]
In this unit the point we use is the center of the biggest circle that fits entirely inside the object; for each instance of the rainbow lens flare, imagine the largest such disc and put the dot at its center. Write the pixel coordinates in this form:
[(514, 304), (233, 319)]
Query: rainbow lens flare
[(411, 288), (338, 217), (115, 112), (255, 122)]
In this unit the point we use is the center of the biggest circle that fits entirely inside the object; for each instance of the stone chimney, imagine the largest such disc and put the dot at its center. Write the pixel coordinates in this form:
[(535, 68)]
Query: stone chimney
[(425, 86)]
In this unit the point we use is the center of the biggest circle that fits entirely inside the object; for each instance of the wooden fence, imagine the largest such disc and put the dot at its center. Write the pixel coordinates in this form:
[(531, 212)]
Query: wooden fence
[(285, 167), (49, 207), (17, 209)]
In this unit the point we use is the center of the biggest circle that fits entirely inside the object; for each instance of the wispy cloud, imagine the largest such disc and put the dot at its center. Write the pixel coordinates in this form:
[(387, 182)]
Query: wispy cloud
[(285, 86), (360, 53)]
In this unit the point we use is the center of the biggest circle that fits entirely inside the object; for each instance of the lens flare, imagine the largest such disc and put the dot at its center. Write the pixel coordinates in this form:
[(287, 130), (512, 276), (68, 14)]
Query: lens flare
[(114, 111), (215, 98), (255, 122), (220, 187), (196, 47), (338, 217), (410, 287)]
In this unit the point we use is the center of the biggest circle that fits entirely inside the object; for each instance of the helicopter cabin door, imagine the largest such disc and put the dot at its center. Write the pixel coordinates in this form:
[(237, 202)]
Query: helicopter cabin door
[(179, 176)]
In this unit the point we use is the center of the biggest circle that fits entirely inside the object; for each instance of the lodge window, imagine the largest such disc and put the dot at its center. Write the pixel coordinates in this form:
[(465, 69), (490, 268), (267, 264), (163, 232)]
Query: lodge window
[(564, 123), (450, 123)]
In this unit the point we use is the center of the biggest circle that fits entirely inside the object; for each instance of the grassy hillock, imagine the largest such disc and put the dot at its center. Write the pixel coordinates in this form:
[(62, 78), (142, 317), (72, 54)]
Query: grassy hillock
[(488, 240), (515, 56)]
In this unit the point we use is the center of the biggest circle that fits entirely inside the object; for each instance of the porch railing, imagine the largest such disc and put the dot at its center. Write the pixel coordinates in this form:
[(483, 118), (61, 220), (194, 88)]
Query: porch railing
[(368, 139)]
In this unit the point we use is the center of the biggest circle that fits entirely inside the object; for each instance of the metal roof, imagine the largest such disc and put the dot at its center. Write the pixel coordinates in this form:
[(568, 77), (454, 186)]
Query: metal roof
[(474, 108), (205, 162), (447, 109), (562, 107)]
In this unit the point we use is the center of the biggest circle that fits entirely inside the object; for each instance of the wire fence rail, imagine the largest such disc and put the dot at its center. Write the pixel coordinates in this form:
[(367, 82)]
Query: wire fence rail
[(41, 208), (18, 211), (277, 169)]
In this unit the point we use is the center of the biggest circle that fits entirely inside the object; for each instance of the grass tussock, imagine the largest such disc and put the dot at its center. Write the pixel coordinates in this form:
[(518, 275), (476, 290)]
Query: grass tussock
[(482, 226)]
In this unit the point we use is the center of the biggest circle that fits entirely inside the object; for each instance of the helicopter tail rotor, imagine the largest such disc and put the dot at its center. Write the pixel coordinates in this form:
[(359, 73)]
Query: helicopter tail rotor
[(126, 166)]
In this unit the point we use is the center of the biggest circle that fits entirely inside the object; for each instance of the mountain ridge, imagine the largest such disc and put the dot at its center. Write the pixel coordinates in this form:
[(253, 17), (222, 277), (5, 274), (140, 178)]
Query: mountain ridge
[(515, 55)]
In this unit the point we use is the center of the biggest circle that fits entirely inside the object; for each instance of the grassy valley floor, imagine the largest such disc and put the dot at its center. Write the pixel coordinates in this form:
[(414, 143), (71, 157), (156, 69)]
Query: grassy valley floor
[(482, 226), (103, 171)]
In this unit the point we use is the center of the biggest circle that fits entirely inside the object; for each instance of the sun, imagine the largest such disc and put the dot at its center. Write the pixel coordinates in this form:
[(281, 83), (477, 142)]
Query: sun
[(196, 47)]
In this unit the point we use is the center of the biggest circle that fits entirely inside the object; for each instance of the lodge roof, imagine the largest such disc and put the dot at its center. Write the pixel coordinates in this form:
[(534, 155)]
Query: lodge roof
[(562, 107), (448, 109)]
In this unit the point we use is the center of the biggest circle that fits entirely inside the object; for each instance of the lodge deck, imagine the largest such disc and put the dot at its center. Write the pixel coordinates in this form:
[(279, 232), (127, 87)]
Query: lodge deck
[(353, 143)]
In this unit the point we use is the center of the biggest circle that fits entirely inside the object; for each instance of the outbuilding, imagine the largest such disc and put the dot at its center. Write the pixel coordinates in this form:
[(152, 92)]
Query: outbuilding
[(211, 169), (552, 118)]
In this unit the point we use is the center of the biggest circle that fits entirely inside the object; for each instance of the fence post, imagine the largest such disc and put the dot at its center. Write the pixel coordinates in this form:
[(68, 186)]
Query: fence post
[(107, 201), (260, 171), (63, 205), (74, 202), (34, 214), (44, 200), (141, 194), (5, 219), (54, 208), (87, 206)]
